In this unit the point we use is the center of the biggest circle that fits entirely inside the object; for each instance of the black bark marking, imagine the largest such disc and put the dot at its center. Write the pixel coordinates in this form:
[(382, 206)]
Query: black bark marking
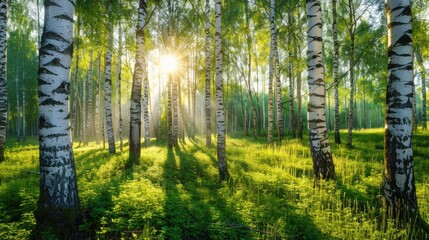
[(44, 52), (51, 102), (42, 82), (55, 36), (64, 17), (49, 47), (62, 89), (69, 50), (41, 94), (56, 62), (56, 135), (49, 3), (43, 123), (404, 40), (44, 70)]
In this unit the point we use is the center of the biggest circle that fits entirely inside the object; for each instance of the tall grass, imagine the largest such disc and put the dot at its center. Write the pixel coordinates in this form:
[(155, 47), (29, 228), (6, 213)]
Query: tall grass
[(175, 194)]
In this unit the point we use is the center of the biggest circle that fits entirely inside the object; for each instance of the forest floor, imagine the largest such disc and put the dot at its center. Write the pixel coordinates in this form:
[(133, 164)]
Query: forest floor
[(175, 193)]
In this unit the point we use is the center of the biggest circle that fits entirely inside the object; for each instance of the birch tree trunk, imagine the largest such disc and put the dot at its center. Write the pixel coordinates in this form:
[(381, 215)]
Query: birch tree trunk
[(24, 132), (291, 85), (146, 106), (181, 121), (159, 135), (97, 101), (323, 165), (90, 116), (399, 188), (335, 74), (249, 71), (84, 116), (352, 30), (74, 122), (175, 110), (169, 113), (423, 75), (118, 86), (18, 110), (279, 102), (208, 80), (298, 94), (220, 112), (271, 75), (291, 102), (414, 112), (108, 92), (194, 104), (58, 205), (3, 77), (136, 93)]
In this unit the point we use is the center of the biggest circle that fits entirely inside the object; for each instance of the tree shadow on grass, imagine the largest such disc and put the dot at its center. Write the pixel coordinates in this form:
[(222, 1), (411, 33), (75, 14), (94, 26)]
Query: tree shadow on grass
[(96, 208), (193, 210)]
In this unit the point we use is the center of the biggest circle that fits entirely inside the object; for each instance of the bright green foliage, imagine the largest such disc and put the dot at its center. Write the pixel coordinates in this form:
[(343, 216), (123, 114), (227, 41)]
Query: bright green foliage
[(22, 64), (175, 194)]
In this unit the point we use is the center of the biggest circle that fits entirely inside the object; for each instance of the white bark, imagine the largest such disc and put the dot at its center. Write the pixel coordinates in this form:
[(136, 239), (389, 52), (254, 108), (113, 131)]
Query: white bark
[(145, 105), (135, 110), (335, 74), (108, 94), (271, 74), (220, 112), (89, 118), (399, 187), (208, 80), (97, 101), (83, 117), (58, 186), (118, 86), (319, 143)]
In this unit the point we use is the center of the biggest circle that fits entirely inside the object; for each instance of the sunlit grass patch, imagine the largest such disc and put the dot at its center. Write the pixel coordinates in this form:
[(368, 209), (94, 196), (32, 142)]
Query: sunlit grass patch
[(176, 194)]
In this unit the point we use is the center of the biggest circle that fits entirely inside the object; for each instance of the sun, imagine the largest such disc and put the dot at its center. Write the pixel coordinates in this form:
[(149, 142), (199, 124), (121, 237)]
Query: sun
[(169, 63)]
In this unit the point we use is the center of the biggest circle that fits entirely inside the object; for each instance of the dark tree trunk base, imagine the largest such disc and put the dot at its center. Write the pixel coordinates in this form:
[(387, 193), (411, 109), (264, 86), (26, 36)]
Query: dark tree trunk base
[(57, 223)]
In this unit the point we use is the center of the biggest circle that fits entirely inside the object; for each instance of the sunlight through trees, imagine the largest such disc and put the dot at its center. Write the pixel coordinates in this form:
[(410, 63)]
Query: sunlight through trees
[(213, 119)]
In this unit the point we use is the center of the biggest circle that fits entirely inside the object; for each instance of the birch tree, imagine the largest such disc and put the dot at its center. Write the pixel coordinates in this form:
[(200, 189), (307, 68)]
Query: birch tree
[(279, 102), (220, 112), (74, 122), (271, 74), (135, 109), (169, 113), (58, 205), (83, 117), (175, 109), (18, 109), (89, 119), (323, 165), (352, 32), (145, 105), (97, 100), (118, 85), (249, 69), (335, 74), (399, 188), (208, 80), (108, 89), (423, 77), (298, 82), (3, 77), (291, 85)]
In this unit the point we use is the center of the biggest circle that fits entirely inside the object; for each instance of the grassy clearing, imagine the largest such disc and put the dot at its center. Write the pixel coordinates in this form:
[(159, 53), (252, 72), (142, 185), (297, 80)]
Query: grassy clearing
[(175, 194)]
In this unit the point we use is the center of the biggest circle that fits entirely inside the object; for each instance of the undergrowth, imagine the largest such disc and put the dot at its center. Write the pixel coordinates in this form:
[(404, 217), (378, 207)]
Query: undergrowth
[(175, 193)]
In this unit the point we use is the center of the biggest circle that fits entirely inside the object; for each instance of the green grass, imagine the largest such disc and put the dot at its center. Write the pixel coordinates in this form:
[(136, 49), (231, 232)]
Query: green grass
[(175, 194)]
